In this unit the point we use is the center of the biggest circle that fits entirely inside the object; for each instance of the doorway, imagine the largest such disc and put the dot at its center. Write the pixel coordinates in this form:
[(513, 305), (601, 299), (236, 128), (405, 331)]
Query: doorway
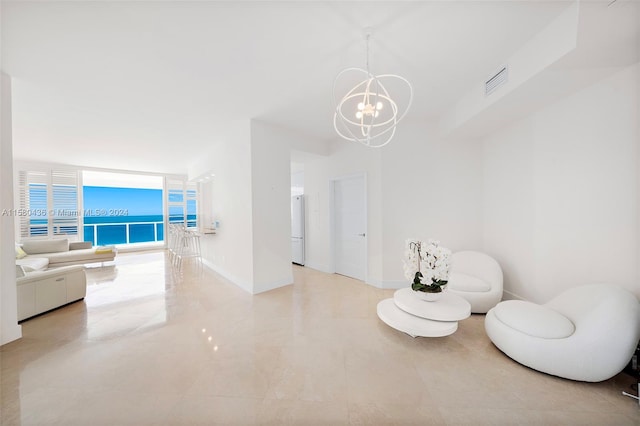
[(349, 215)]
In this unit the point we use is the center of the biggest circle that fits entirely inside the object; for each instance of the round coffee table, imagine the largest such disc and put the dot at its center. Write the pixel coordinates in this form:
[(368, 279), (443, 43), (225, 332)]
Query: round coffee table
[(416, 317)]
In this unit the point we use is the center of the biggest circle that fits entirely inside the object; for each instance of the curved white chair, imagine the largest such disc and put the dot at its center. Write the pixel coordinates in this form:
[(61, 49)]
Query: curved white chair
[(587, 333), (476, 277)]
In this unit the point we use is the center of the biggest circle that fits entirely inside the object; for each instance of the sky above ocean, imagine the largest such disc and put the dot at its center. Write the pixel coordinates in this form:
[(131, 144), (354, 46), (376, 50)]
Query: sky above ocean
[(132, 201)]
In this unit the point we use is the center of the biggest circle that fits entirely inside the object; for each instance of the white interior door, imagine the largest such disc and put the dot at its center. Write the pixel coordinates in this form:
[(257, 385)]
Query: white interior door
[(350, 224)]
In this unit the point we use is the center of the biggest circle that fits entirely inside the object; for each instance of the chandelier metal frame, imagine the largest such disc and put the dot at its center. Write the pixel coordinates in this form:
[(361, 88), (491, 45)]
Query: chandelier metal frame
[(374, 120)]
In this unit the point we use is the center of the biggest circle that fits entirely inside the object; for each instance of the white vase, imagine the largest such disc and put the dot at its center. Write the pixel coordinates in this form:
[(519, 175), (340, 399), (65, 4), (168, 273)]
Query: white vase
[(427, 296)]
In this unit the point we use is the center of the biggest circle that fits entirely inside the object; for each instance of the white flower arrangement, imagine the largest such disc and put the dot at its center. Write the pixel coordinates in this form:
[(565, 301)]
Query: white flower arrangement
[(427, 265)]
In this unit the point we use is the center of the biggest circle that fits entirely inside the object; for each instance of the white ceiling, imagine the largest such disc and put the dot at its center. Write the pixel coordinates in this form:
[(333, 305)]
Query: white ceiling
[(144, 85)]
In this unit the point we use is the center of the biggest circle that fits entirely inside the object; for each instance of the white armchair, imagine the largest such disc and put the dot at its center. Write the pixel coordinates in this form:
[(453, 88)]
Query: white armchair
[(477, 278), (586, 333)]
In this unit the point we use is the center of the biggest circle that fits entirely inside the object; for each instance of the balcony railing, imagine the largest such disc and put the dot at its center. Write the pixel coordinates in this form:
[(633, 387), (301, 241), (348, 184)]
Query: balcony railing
[(115, 231), (109, 233)]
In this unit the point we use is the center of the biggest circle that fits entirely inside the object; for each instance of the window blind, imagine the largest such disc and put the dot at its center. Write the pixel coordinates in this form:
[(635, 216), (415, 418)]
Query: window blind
[(64, 190), (48, 203)]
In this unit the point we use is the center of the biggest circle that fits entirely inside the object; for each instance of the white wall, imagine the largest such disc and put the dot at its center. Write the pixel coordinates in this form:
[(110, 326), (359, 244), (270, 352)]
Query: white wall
[(271, 204), (561, 192), (431, 189), (417, 186), (9, 328), (509, 205), (553, 197), (230, 250), (250, 196)]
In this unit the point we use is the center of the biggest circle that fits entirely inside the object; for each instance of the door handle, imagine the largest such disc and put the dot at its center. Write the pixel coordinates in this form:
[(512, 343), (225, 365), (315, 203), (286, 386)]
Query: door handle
[(361, 235)]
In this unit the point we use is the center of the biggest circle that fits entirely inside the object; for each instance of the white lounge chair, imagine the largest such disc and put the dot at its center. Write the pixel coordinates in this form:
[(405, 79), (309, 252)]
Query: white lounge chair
[(586, 333)]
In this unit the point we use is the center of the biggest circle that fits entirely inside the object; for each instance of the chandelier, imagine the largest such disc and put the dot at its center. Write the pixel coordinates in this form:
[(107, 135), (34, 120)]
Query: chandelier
[(368, 113)]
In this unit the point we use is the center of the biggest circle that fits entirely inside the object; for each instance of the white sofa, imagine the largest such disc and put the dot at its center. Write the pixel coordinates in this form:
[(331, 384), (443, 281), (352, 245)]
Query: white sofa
[(42, 291), (52, 253), (586, 333)]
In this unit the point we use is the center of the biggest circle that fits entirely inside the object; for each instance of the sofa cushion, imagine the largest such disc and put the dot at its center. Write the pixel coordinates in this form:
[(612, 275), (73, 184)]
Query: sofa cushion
[(46, 246), (534, 320), (33, 263), (464, 282), (19, 252), (78, 256)]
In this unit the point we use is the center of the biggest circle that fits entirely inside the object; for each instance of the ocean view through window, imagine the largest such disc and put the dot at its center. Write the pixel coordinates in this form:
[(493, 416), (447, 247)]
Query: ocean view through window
[(103, 208), (115, 215), (121, 208)]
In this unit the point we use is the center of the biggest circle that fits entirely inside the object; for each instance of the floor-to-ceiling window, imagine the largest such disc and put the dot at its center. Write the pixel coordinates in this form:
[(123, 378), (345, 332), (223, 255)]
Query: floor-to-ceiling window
[(104, 208), (122, 208)]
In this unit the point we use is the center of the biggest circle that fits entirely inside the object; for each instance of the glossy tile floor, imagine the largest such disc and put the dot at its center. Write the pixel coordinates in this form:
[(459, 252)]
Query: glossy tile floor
[(155, 345)]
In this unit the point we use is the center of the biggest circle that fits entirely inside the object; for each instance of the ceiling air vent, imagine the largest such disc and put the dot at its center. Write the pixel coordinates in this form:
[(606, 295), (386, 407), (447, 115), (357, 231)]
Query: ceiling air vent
[(496, 81)]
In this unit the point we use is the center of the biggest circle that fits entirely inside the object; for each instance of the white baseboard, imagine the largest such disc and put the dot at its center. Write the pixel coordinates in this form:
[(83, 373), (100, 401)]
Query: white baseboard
[(248, 287), (374, 283), (261, 288), (508, 295), (318, 267), (387, 284), (229, 277)]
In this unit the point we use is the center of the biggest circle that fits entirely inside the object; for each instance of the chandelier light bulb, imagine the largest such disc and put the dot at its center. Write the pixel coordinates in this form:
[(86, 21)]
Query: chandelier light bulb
[(360, 106), (379, 105), (358, 114)]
